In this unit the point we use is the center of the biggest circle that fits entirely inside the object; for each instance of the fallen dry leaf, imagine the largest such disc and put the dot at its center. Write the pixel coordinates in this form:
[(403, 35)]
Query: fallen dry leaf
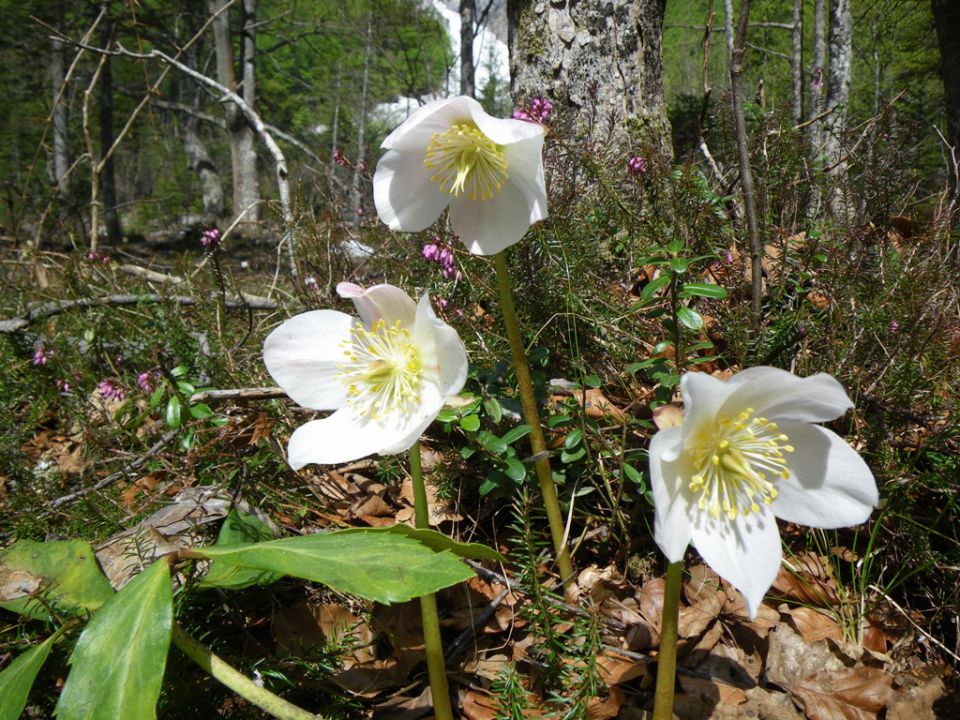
[(616, 669), (916, 703), (812, 624), (479, 706), (856, 693), (668, 416), (713, 691), (810, 581), (607, 708)]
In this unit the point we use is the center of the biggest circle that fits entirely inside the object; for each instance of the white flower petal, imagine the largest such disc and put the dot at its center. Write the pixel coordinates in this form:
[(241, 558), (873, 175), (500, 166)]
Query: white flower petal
[(442, 351), (780, 395), (745, 551), (830, 486), (303, 355), (504, 131), (488, 226), (405, 197), (525, 168), (380, 302), (703, 395), (344, 436), (414, 133), (668, 480)]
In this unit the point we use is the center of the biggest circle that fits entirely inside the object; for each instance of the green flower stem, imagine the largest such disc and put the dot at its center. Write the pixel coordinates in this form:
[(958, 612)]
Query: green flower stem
[(667, 659), (433, 644), (531, 416), (237, 681)]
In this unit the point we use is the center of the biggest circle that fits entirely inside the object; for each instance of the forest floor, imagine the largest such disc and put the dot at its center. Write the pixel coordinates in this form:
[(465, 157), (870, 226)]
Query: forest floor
[(137, 422)]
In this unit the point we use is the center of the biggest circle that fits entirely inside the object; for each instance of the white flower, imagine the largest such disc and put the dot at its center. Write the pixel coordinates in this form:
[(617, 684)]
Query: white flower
[(387, 375), (745, 454), (450, 152)]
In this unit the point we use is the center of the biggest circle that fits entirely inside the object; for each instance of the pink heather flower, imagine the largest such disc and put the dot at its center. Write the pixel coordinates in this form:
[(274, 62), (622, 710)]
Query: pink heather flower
[(362, 166), (431, 251), (110, 390), (63, 386), (144, 381), (539, 111), (41, 355), (894, 327), (339, 158), (816, 81), (636, 166), (443, 303), (728, 257), (210, 238)]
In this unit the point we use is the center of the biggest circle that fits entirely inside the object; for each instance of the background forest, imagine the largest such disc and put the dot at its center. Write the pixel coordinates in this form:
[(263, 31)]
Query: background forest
[(730, 183)]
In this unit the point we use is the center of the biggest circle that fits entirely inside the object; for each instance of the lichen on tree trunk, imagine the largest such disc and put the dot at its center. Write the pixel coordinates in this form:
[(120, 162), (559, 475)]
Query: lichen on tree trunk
[(600, 63)]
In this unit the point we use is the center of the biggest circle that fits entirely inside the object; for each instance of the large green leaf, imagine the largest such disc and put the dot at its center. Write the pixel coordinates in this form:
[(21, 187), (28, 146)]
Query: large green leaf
[(238, 529), (62, 576), (118, 662), (437, 541), (16, 680), (383, 566)]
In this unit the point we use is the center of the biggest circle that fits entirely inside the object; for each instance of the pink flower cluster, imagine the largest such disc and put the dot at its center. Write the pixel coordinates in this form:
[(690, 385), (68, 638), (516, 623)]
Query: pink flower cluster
[(539, 110), (339, 158), (442, 254), (636, 166), (41, 356), (111, 390), (97, 257), (210, 238), (145, 380)]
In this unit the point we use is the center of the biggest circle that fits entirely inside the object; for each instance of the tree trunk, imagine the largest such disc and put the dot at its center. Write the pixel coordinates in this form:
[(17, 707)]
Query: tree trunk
[(468, 11), (61, 149), (796, 62), (600, 63), (946, 16), (746, 176), (108, 183), (818, 73), (356, 196), (246, 190), (838, 96)]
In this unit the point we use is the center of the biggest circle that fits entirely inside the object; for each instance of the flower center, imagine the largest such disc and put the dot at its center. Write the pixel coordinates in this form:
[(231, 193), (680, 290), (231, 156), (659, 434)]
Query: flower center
[(737, 462), (466, 161), (383, 372)]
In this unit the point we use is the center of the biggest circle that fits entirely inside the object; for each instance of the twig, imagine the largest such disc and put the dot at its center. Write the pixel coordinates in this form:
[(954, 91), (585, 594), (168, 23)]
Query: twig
[(910, 620), (264, 393), (110, 479), (458, 646), (50, 309), (256, 122)]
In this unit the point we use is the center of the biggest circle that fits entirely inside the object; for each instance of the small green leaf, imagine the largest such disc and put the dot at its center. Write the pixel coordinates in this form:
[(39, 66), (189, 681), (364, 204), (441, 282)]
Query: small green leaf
[(679, 265), (511, 436), (661, 346), (651, 288), (515, 470), (634, 476), (492, 444), (173, 412), (493, 408), (186, 389), (61, 575), (467, 452), (555, 420), (707, 290), (200, 411), (573, 438), (447, 414), (570, 457), (236, 530), (592, 380), (17, 679), (382, 566), (157, 396), (116, 668), (691, 318), (470, 423)]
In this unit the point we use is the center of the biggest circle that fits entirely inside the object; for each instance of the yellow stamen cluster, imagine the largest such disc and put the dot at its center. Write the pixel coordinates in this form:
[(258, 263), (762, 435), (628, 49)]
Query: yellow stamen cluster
[(737, 462), (383, 372), (466, 161)]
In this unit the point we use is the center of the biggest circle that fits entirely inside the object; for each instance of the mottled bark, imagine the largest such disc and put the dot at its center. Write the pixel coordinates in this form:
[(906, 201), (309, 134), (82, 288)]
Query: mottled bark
[(838, 97), (468, 9), (246, 190), (597, 62), (946, 16)]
